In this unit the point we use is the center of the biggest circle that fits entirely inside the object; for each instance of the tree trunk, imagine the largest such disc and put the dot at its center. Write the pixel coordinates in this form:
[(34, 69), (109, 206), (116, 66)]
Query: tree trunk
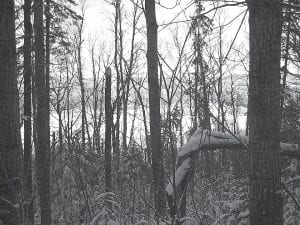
[(265, 20), (154, 104), (42, 150), (96, 144), (10, 142), (108, 128), (118, 68), (82, 90), (28, 209), (47, 43)]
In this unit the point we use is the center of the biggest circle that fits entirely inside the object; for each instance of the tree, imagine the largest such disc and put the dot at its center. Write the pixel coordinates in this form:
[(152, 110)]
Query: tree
[(79, 42), (42, 150), (265, 20), (118, 54), (154, 105), (201, 27), (10, 142), (108, 129), (28, 209)]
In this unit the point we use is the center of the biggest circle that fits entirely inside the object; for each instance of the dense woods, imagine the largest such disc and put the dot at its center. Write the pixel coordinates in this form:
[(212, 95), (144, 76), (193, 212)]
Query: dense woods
[(149, 112)]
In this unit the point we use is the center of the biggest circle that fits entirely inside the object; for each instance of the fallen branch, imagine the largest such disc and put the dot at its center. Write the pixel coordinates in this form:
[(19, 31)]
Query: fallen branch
[(211, 140)]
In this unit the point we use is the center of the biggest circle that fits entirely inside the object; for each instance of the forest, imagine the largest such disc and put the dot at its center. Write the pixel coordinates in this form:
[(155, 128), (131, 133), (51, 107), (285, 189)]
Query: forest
[(144, 112)]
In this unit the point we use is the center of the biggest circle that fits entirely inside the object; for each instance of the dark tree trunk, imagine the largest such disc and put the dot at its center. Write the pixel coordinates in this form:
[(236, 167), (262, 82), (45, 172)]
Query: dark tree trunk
[(28, 209), (108, 129), (10, 142), (47, 44), (42, 150), (265, 20), (154, 104)]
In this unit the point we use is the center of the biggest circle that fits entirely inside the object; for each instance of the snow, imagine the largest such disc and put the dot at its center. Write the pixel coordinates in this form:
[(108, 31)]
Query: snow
[(142, 222), (194, 143), (204, 139), (209, 140), (179, 175)]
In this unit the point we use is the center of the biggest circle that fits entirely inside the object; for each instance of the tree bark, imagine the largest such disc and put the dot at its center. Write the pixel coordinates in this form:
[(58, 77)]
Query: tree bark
[(28, 208), (265, 22), (10, 141), (108, 129), (154, 104), (47, 77), (42, 150)]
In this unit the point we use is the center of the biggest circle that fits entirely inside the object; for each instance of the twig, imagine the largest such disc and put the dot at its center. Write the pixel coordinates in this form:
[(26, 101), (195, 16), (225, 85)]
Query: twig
[(290, 194)]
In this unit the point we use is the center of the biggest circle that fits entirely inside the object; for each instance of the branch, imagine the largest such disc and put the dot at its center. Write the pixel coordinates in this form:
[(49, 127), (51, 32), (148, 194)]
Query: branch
[(211, 140), (290, 194)]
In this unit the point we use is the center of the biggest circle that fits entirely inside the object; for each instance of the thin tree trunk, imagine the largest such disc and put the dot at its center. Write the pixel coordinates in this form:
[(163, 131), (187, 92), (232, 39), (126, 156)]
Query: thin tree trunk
[(42, 150), (196, 95), (144, 120), (154, 105), (205, 102), (82, 90), (286, 57), (128, 77), (69, 133), (108, 129), (47, 43), (96, 144), (34, 110), (265, 21), (28, 209), (221, 113), (116, 128), (10, 140)]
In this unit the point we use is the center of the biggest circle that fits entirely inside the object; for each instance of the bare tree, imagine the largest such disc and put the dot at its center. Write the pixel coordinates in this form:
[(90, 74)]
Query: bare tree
[(108, 129), (119, 70), (154, 104)]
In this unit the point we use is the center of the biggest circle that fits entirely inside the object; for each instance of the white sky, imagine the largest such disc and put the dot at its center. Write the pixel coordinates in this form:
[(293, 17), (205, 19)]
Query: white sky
[(99, 25)]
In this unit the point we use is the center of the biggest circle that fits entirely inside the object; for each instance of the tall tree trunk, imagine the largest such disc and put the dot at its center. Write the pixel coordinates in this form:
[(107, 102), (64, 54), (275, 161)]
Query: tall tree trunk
[(154, 104), (286, 55), (10, 141), (208, 166), (138, 93), (47, 44), (28, 209), (233, 106), (265, 20), (221, 113), (82, 90), (96, 144), (42, 150), (118, 68), (128, 77), (108, 129), (69, 127), (196, 94)]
